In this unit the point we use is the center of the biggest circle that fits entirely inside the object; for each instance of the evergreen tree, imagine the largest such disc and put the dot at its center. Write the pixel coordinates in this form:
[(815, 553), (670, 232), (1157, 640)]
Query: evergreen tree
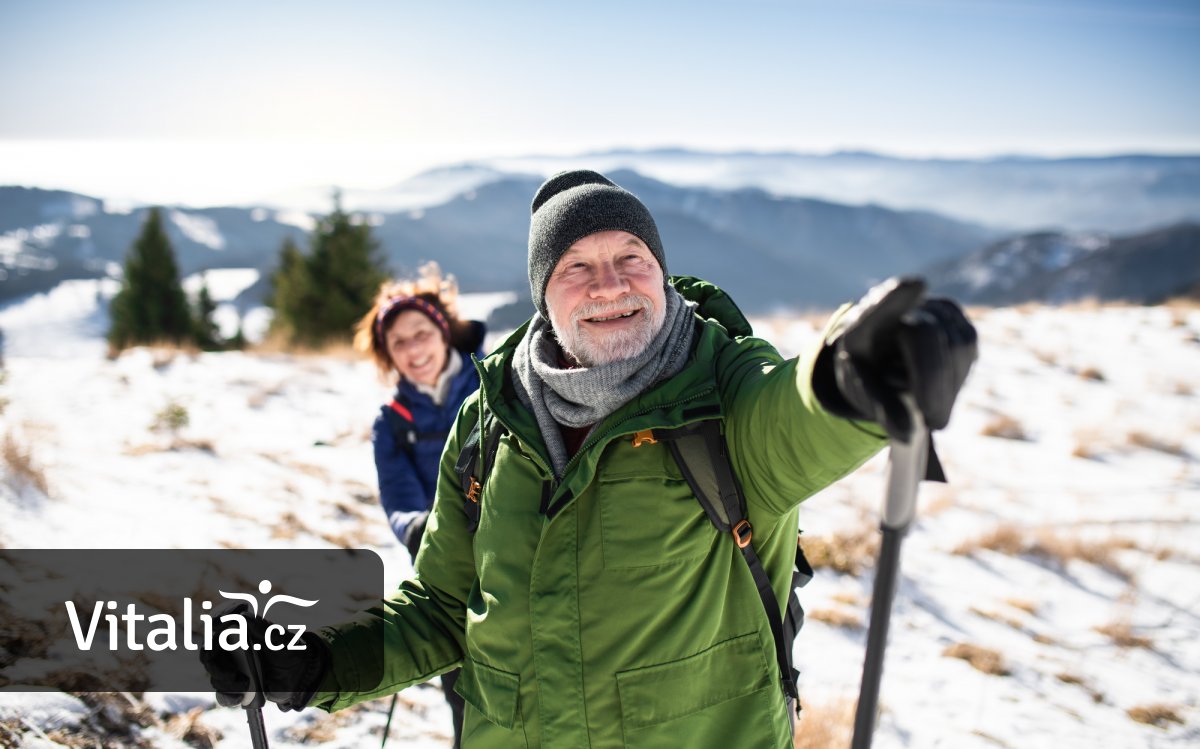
[(318, 297), (150, 306), (206, 333), (289, 292)]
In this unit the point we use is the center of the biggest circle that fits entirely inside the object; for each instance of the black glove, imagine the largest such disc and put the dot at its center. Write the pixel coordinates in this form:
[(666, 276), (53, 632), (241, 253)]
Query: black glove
[(414, 532), (289, 677), (896, 341)]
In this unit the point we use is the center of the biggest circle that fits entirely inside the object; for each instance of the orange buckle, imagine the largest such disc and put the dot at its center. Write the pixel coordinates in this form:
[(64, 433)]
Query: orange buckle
[(742, 533), (473, 492), (646, 436)]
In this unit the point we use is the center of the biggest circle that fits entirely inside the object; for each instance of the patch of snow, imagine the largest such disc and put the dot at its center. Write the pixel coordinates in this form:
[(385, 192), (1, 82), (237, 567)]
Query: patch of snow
[(298, 219), (119, 207), (224, 284), (200, 229), (479, 305), (1105, 401), (68, 321), (46, 710)]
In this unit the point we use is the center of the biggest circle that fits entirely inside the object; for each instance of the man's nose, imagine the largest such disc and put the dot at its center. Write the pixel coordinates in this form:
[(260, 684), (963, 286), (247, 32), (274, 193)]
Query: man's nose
[(608, 282)]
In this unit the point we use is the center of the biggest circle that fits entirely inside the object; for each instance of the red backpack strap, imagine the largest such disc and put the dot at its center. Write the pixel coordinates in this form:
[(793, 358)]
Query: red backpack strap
[(399, 408)]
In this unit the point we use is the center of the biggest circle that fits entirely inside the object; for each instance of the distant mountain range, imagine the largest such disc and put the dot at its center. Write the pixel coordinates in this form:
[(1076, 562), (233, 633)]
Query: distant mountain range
[(732, 218), (48, 236), (769, 252), (1055, 267), (1120, 194)]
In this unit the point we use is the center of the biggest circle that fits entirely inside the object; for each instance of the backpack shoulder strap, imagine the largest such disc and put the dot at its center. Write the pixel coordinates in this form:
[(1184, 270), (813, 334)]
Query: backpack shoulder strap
[(703, 457), (404, 427), (475, 460)]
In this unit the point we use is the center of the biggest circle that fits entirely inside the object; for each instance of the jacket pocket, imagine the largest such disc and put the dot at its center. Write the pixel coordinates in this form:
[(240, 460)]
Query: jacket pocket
[(656, 694), (649, 517), (492, 692)]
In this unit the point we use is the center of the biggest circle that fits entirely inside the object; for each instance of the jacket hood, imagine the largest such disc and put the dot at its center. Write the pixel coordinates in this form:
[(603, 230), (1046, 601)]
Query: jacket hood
[(713, 303)]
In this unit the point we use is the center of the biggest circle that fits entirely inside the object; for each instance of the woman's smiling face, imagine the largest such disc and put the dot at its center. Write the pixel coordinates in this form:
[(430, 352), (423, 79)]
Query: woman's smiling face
[(416, 347)]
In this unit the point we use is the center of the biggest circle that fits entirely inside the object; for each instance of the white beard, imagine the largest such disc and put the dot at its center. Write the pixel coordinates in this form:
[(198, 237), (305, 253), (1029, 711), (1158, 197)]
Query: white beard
[(591, 350)]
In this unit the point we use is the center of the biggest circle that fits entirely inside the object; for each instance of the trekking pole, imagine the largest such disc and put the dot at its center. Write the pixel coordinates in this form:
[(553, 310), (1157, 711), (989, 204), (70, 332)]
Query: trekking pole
[(253, 707), (906, 467), (387, 727)]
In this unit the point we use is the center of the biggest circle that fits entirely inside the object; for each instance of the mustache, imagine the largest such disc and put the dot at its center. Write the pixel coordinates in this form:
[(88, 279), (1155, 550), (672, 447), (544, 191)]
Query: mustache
[(602, 309)]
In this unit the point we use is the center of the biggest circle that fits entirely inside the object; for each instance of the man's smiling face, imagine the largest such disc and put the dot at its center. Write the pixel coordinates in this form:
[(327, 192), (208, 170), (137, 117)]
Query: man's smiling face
[(606, 298)]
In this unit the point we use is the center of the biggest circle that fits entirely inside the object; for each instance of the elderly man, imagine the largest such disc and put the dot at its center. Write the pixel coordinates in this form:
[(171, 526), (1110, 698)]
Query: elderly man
[(587, 597)]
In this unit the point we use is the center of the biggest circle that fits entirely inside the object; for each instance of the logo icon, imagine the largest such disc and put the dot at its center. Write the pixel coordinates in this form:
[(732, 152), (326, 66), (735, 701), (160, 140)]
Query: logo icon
[(264, 587)]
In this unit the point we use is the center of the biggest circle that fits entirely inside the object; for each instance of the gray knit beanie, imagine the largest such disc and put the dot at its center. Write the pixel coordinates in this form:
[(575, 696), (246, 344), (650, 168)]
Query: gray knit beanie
[(571, 205)]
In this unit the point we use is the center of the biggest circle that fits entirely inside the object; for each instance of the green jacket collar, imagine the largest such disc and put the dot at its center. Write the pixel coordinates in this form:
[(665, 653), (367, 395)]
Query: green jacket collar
[(688, 396)]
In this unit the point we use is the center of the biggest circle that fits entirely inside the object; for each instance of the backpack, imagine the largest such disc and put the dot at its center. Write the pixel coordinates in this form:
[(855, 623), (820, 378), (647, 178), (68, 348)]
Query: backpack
[(700, 451), (404, 429)]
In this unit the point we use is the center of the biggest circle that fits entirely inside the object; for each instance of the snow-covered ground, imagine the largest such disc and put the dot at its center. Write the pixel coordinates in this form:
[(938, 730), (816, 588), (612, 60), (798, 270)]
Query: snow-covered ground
[(1076, 448)]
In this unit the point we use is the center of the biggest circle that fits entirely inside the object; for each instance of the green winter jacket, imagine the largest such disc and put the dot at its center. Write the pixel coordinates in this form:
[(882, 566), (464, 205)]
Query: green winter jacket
[(605, 610)]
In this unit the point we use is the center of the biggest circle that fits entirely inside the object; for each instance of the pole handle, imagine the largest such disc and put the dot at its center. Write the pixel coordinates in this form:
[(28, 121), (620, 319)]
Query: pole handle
[(906, 468), (254, 701)]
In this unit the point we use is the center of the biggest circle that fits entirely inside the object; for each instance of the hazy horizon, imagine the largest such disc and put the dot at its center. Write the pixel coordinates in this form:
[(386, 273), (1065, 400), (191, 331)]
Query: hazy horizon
[(223, 102)]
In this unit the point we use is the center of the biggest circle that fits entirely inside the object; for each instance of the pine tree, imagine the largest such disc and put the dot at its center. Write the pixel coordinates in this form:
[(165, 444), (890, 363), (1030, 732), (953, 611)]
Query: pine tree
[(290, 290), (150, 306), (318, 297), (206, 334)]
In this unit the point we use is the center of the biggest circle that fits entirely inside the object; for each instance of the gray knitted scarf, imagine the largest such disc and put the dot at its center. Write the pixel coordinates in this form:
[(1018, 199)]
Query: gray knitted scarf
[(584, 396)]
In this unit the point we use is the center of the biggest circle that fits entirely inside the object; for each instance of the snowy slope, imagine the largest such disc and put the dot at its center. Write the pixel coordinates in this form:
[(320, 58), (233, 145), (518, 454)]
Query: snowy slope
[(1078, 437)]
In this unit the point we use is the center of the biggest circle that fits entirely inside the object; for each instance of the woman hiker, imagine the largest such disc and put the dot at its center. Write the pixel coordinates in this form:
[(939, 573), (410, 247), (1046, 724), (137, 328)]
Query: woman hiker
[(416, 339)]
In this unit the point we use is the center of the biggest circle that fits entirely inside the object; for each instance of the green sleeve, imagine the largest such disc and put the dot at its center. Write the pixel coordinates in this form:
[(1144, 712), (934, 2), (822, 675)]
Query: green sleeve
[(784, 446), (421, 625)]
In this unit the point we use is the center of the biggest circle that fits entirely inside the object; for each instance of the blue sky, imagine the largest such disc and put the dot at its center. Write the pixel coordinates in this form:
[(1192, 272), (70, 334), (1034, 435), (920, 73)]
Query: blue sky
[(395, 86)]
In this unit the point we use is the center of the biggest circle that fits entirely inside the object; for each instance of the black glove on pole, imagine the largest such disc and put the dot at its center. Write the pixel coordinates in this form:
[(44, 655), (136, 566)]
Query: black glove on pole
[(248, 679), (899, 360), (894, 342)]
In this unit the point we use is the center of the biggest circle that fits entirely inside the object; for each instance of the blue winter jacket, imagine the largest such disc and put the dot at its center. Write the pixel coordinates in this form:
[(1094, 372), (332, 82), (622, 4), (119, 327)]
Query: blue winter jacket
[(408, 479)]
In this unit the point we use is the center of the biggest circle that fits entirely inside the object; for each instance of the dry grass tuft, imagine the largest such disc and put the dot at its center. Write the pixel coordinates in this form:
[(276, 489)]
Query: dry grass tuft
[(1004, 427), (319, 728), (1049, 358), (980, 658), (847, 552), (850, 599), (1121, 633), (1149, 441), (23, 470), (173, 417), (1005, 539), (275, 343), (996, 616), (1029, 607), (290, 526), (1045, 544), (1100, 553), (1157, 715), (826, 725), (836, 618), (1069, 678), (188, 728)]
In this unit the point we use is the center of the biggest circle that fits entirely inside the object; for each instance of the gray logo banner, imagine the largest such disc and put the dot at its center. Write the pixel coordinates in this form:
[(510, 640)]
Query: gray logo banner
[(136, 620)]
